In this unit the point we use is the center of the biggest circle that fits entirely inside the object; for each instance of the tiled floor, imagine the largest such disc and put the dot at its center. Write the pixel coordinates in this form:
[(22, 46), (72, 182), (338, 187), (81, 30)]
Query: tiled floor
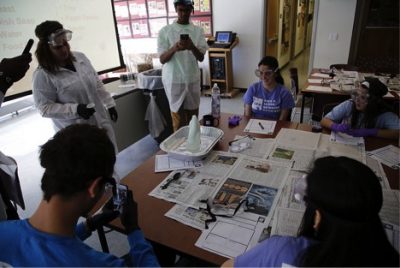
[(21, 136)]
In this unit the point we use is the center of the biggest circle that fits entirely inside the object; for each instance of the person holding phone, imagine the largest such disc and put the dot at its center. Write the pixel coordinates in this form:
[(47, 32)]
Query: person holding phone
[(78, 163), (181, 45), (66, 87), (11, 70)]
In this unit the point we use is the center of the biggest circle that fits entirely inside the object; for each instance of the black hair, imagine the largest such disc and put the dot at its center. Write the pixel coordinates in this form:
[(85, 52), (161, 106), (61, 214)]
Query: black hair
[(348, 195), (375, 106), (43, 54), (74, 157), (184, 2), (273, 64)]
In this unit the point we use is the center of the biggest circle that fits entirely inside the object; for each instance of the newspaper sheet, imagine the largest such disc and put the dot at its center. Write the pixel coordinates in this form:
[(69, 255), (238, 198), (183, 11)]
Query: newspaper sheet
[(376, 167), (260, 126), (231, 237), (287, 198), (390, 208), (393, 234), (319, 88), (320, 75), (344, 138), (388, 155), (298, 138), (356, 152), (188, 216), (259, 148), (299, 159), (287, 221), (196, 185), (259, 182), (165, 163)]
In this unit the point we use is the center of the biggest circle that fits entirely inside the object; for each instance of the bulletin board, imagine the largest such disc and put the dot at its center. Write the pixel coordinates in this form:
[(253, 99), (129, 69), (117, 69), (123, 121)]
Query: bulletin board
[(145, 18)]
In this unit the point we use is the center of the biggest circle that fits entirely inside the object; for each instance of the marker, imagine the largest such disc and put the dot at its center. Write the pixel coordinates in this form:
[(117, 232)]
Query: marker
[(261, 126)]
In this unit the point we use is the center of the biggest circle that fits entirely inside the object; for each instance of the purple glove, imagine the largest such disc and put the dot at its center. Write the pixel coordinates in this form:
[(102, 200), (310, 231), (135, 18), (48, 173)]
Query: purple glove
[(340, 127), (363, 132)]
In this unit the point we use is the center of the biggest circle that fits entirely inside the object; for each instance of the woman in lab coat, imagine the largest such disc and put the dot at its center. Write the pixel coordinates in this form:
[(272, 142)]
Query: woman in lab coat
[(66, 87)]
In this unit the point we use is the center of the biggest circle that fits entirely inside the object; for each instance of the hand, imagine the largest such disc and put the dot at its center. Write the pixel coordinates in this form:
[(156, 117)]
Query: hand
[(363, 132), (101, 219), (187, 44), (85, 112), (129, 216), (340, 127), (113, 114), (15, 68)]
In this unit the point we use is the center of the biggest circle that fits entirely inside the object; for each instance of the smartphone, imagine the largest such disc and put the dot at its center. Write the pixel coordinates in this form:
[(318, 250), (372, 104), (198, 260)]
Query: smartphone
[(120, 196), (28, 46), (184, 37)]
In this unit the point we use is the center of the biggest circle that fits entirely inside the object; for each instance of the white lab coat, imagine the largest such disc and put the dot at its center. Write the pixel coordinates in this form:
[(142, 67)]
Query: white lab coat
[(57, 95), (181, 74)]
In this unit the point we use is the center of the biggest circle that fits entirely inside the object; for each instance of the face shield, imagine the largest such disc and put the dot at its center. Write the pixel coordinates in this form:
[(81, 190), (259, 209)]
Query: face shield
[(59, 37)]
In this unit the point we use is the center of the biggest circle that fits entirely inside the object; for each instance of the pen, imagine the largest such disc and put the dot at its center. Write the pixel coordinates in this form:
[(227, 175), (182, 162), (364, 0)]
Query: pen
[(261, 126)]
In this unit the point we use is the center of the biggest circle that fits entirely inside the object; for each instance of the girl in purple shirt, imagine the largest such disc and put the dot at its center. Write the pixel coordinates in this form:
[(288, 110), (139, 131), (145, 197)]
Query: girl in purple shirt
[(268, 98)]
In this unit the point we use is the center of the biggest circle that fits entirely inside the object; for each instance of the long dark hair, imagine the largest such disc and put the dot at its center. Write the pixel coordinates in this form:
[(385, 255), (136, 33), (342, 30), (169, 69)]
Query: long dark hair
[(349, 197), (376, 105), (43, 54), (273, 64)]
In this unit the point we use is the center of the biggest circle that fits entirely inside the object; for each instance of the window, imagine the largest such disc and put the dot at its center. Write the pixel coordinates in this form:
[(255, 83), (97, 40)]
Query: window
[(145, 18)]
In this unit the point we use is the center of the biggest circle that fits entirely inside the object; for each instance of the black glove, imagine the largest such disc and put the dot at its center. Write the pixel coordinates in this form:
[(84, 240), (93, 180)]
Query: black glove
[(85, 112), (101, 219), (113, 114), (13, 69), (129, 216)]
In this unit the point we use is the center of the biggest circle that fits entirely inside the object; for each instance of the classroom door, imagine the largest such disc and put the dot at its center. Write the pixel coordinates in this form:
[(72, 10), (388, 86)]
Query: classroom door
[(272, 20)]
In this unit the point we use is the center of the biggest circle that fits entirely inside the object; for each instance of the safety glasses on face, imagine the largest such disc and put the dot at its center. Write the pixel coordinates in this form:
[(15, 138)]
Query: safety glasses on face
[(260, 73), (59, 37), (356, 95)]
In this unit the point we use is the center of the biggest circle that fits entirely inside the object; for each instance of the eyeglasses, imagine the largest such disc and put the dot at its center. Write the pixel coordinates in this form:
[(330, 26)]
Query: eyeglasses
[(59, 38), (362, 97), (259, 73)]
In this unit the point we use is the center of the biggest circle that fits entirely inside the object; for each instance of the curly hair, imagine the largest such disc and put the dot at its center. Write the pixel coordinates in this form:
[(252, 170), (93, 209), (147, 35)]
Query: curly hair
[(74, 157)]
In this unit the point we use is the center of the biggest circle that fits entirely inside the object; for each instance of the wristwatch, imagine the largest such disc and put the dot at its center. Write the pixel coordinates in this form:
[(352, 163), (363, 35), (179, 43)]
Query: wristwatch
[(5, 78)]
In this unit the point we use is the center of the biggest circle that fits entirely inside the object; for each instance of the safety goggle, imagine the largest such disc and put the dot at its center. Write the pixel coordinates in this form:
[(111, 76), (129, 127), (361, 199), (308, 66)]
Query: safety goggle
[(59, 37), (259, 73)]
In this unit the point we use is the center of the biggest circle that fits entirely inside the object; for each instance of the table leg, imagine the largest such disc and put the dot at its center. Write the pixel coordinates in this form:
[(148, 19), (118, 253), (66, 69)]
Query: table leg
[(303, 100), (103, 239)]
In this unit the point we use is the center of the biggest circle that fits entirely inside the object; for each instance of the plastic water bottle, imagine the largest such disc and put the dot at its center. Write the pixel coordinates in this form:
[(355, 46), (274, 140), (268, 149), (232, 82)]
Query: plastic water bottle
[(215, 101), (193, 140)]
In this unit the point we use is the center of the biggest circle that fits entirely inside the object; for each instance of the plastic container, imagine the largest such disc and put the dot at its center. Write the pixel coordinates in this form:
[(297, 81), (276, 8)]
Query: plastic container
[(175, 145)]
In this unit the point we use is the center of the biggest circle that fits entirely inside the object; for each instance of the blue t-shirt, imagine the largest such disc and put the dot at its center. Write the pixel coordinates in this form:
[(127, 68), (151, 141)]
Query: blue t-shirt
[(265, 104), (274, 252), (23, 245), (342, 114)]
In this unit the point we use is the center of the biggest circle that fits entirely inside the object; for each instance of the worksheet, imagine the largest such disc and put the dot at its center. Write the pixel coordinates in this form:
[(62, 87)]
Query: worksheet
[(260, 126)]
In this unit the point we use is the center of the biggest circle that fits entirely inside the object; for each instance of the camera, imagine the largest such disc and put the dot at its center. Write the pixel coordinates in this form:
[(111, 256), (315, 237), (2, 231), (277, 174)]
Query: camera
[(120, 193), (184, 37)]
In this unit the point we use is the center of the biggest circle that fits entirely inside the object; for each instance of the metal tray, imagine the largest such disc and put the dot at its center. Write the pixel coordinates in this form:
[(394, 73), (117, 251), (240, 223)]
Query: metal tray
[(175, 145)]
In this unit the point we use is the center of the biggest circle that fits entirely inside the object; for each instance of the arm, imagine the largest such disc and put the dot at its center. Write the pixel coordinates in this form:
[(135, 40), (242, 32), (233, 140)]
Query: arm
[(284, 114), (141, 252), (388, 133), (247, 110), (228, 263), (167, 55), (196, 52), (326, 123)]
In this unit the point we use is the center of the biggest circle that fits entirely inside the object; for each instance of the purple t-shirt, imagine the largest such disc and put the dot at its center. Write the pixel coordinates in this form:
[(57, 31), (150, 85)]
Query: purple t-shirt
[(268, 104), (274, 252)]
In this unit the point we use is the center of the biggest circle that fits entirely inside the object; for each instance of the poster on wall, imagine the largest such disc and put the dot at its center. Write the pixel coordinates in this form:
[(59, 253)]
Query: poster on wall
[(137, 9), (156, 8), (121, 10), (124, 29), (156, 25), (205, 23), (140, 28), (202, 7)]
